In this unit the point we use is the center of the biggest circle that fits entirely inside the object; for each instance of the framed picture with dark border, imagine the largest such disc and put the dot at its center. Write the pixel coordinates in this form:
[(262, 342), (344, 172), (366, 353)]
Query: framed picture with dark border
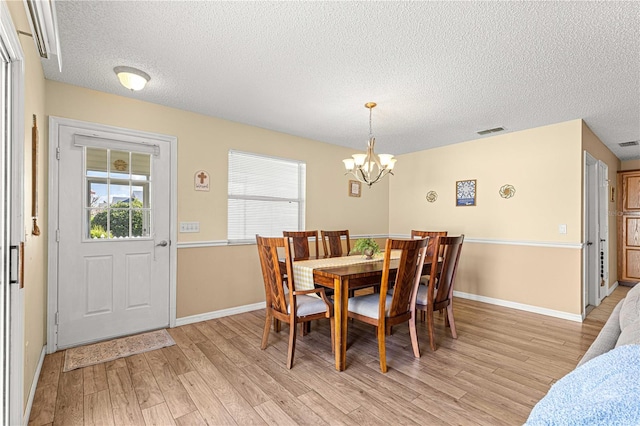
[(466, 192), (355, 188)]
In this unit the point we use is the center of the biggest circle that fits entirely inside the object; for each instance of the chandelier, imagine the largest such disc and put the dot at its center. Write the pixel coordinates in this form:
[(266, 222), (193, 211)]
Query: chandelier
[(369, 168)]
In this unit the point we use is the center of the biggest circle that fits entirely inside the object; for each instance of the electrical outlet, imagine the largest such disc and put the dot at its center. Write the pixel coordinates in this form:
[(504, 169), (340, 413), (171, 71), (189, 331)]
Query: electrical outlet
[(189, 227), (562, 229)]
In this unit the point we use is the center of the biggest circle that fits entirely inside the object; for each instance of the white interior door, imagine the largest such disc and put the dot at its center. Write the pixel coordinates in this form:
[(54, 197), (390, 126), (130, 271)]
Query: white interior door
[(591, 261), (113, 235)]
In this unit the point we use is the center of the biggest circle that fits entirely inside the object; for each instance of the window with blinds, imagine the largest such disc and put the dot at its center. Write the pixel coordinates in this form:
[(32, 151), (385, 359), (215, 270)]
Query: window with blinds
[(266, 196)]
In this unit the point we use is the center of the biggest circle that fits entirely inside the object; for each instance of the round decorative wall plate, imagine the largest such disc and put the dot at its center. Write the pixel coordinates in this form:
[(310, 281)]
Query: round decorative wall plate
[(120, 165), (432, 196), (507, 191)]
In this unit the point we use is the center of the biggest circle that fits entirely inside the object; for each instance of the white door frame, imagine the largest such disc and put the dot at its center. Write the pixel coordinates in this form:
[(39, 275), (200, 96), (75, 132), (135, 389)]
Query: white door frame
[(12, 412), (603, 222), (52, 299), (595, 215)]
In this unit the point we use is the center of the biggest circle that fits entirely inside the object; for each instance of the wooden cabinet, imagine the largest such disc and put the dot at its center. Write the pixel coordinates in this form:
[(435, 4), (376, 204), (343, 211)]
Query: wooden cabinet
[(628, 214)]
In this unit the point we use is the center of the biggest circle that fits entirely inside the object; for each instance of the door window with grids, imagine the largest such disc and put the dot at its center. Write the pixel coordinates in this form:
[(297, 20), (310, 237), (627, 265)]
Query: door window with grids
[(117, 202), (266, 196)]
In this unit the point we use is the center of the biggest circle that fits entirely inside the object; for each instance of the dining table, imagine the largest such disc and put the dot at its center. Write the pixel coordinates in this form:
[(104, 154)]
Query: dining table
[(343, 275)]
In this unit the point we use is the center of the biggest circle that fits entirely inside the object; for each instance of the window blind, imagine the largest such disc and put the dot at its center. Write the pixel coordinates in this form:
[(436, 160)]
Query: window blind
[(266, 196)]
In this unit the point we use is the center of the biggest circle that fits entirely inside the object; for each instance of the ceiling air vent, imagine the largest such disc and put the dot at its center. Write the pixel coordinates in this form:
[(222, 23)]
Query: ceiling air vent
[(630, 143), (487, 131)]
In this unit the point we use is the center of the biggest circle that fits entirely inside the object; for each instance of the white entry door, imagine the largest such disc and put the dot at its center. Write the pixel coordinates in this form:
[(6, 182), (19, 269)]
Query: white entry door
[(113, 235)]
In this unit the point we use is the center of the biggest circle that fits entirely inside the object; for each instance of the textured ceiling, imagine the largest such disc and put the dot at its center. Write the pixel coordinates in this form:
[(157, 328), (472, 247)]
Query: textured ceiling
[(439, 71)]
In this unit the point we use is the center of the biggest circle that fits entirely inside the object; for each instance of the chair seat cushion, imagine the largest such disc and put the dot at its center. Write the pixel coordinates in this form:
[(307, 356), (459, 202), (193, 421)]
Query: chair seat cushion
[(424, 280), (309, 305), (421, 298), (368, 305)]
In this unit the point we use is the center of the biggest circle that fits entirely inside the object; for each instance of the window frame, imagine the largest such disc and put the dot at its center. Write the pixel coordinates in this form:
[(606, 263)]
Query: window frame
[(108, 180), (301, 199)]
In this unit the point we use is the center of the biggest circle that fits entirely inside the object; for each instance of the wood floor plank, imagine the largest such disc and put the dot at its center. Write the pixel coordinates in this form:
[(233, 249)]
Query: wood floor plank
[(115, 364), (51, 369), (238, 407), (69, 404), (208, 404), (173, 391), (45, 396), (144, 384), (126, 409), (44, 405), (158, 415), (249, 390), (97, 409), (456, 412), (235, 355), (193, 333), (274, 366), (95, 378), (327, 411), (272, 414), (177, 360), (227, 392), (484, 403), (191, 419)]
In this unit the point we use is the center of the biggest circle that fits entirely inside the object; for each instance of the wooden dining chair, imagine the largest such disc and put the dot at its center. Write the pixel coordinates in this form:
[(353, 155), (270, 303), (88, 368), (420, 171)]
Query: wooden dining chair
[(332, 242), (300, 242), (433, 241), (384, 310), (284, 302), (433, 238), (431, 298)]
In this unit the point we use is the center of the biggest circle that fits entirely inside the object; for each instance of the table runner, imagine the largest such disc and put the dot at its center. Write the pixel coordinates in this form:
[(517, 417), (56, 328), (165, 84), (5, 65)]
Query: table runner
[(303, 269)]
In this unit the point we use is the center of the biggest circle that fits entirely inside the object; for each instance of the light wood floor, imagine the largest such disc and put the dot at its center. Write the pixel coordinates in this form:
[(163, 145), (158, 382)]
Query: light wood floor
[(502, 363)]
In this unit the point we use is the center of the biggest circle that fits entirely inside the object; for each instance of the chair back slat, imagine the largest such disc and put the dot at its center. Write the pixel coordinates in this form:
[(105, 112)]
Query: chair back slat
[(300, 242), (433, 239), (332, 242), (407, 277), (451, 247)]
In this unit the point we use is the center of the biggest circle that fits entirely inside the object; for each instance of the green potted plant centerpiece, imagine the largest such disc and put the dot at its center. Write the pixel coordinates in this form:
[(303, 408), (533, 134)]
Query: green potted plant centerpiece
[(367, 247)]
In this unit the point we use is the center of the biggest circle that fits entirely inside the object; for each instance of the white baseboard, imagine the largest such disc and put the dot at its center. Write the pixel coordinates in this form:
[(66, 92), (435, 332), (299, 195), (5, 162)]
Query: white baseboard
[(218, 314), (613, 287), (520, 306), (34, 385)]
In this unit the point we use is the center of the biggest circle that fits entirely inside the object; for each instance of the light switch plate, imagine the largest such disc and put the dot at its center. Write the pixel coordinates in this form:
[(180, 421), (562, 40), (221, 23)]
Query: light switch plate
[(562, 229), (189, 226)]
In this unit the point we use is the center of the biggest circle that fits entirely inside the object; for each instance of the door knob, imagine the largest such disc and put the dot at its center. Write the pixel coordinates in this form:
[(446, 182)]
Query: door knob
[(162, 243), (589, 243)]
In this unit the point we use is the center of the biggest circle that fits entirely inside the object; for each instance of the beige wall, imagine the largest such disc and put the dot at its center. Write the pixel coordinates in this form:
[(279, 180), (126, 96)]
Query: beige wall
[(34, 247), (630, 165), (513, 251), (214, 278), (594, 146), (543, 165), (537, 276)]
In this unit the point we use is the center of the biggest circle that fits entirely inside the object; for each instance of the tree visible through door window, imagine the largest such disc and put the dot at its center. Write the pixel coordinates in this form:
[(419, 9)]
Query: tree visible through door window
[(266, 196), (117, 201)]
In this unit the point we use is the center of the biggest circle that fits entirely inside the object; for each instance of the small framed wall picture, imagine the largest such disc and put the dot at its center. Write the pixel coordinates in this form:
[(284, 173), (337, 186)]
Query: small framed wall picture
[(354, 188), (466, 192)]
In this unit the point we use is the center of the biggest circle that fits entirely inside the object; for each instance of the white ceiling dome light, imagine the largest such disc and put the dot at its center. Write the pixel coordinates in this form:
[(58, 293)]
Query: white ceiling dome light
[(132, 78)]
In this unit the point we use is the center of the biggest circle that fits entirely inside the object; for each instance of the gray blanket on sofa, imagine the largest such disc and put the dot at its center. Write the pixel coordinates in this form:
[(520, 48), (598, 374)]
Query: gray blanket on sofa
[(603, 391)]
